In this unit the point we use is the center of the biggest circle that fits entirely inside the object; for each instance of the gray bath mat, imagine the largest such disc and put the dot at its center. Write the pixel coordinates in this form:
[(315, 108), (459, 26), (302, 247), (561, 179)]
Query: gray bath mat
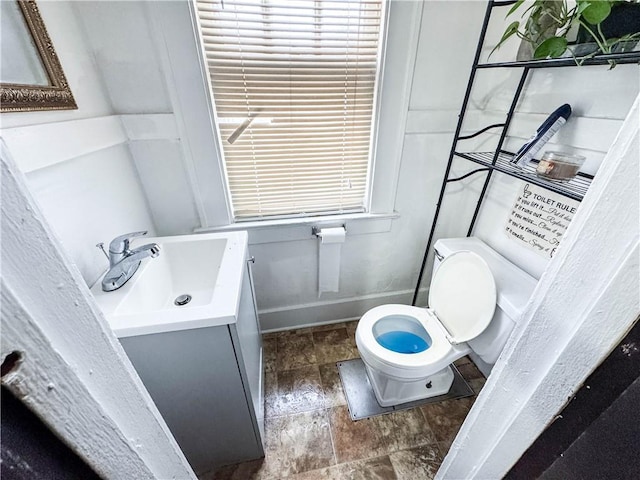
[(362, 401)]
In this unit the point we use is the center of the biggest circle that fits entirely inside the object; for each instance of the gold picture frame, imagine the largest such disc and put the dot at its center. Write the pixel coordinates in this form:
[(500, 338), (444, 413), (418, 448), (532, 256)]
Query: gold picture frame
[(17, 97)]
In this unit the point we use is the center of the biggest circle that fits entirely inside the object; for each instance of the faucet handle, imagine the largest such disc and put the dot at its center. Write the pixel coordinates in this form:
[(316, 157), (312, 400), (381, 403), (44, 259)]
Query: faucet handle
[(101, 247), (120, 244)]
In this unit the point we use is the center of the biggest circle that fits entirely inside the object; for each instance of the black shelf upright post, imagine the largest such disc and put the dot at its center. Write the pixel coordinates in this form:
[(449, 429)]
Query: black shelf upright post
[(505, 129), (463, 109)]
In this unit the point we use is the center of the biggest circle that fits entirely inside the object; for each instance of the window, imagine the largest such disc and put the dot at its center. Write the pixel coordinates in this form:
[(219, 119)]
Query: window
[(294, 88)]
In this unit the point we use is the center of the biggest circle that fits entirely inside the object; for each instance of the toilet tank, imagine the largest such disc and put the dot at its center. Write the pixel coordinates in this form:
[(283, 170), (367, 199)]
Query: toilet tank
[(513, 285)]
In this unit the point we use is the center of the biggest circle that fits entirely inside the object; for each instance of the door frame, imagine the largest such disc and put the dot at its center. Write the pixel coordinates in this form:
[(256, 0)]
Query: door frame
[(60, 357)]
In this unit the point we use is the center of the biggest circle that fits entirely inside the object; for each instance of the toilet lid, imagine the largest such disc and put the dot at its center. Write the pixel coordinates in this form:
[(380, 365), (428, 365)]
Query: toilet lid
[(463, 295)]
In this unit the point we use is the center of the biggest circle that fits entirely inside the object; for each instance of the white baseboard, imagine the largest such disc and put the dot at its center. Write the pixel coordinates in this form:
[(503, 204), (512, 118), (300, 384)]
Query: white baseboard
[(327, 312)]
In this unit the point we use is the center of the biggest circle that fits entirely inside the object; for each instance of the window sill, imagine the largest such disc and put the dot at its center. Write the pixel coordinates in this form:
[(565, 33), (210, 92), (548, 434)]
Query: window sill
[(293, 229)]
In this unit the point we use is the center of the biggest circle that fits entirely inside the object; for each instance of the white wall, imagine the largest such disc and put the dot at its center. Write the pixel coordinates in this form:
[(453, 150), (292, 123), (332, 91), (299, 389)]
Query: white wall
[(83, 178), (128, 42), (376, 267), (438, 88), (382, 267), (91, 199), (133, 40), (131, 55), (384, 263), (600, 98)]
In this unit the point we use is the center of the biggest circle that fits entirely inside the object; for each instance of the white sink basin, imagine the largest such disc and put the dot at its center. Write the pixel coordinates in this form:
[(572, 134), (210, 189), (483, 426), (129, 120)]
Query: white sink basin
[(208, 267)]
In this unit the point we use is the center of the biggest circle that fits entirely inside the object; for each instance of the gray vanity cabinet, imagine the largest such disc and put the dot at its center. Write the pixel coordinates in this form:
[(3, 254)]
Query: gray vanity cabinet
[(208, 385)]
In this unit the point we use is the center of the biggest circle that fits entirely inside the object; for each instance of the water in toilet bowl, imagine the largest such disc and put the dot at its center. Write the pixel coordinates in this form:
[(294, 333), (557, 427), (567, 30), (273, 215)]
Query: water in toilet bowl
[(402, 342)]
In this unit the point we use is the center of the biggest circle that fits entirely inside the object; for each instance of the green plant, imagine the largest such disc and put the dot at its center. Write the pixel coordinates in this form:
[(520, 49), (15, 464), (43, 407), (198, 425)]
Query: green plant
[(550, 21)]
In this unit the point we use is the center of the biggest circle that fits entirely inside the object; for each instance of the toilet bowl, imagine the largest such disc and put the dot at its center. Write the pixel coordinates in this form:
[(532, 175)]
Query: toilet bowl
[(407, 351)]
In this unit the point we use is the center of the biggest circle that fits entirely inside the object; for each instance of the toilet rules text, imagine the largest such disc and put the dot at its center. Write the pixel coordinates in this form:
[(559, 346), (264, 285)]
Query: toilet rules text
[(539, 218)]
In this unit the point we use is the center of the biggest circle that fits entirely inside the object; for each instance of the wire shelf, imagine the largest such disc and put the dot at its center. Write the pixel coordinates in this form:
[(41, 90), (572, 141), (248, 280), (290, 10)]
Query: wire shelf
[(575, 188)]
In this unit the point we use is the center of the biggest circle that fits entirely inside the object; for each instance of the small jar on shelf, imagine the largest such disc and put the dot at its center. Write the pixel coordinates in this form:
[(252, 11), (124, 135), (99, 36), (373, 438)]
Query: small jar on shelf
[(559, 165)]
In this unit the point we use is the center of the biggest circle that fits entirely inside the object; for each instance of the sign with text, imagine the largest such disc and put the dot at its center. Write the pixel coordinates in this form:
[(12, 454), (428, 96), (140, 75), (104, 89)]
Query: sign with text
[(539, 218)]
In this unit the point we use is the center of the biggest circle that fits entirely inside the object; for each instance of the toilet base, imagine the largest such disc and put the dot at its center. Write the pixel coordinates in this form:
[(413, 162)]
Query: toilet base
[(390, 391)]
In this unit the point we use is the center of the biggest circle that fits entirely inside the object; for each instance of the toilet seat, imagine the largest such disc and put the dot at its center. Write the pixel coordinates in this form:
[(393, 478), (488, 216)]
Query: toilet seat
[(402, 365), (463, 300), (463, 295)]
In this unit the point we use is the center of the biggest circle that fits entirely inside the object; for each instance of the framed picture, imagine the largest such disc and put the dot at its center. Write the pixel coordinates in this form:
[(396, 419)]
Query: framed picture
[(31, 77)]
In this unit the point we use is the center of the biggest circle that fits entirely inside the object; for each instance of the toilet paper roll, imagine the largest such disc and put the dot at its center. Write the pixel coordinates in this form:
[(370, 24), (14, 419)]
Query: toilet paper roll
[(331, 240), (332, 235)]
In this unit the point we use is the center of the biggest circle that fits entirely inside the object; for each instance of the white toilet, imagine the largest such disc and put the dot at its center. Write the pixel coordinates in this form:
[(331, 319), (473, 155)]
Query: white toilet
[(475, 298)]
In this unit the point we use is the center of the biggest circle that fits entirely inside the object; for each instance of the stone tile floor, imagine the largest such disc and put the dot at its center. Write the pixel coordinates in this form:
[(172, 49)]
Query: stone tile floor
[(309, 433)]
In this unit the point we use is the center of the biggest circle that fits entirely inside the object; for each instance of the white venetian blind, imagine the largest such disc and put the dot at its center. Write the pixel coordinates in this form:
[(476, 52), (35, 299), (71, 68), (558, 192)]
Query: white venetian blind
[(293, 86)]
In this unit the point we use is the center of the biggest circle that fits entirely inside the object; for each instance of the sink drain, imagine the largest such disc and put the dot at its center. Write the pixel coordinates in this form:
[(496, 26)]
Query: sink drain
[(182, 299)]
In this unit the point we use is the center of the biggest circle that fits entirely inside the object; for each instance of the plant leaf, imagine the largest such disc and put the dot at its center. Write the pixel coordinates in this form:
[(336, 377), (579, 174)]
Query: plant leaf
[(514, 8), (582, 5), (552, 47), (510, 31), (596, 12)]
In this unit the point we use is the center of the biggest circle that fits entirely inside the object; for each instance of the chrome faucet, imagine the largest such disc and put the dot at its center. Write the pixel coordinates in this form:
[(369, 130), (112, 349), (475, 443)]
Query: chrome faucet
[(124, 262)]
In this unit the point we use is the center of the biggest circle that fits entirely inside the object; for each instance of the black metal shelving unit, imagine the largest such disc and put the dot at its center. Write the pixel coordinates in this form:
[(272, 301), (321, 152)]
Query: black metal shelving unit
[(498, 159)]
